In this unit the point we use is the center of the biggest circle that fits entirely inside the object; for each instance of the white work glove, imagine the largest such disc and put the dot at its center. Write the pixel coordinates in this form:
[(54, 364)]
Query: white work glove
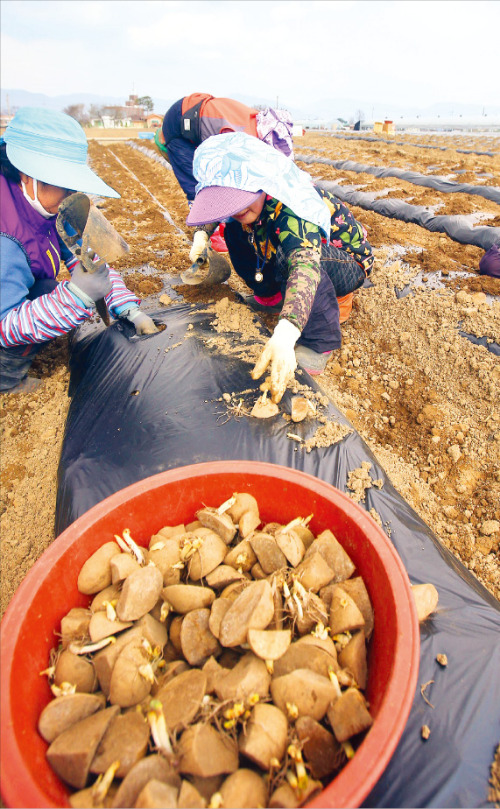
[(90, 286), (142, 322), (200, 242), (279, 353)]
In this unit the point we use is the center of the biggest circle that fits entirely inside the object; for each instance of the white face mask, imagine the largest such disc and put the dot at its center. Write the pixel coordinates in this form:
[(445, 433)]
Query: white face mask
[(35, 203)]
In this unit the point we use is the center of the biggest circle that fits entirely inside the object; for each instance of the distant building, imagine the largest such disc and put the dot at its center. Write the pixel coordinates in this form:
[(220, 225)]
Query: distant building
[(437, 123), (153, 120), (130, 114), (445, 123), (321, 123)]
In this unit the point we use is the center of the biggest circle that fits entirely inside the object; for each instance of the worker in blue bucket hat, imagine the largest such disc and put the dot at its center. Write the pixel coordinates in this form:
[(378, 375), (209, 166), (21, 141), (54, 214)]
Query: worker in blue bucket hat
[(297, 246), (43, 159)]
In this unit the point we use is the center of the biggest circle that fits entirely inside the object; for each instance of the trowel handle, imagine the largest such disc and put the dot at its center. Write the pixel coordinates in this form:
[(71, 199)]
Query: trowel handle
[(90, 260)]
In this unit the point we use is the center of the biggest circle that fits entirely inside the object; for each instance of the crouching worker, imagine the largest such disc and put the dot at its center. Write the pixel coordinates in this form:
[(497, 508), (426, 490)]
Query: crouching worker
[(196, 117), (43, 159), (295, 245)]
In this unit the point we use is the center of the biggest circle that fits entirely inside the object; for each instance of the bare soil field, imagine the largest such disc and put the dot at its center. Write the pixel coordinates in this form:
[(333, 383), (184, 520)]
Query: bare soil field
[(422, 396), (113, 133)]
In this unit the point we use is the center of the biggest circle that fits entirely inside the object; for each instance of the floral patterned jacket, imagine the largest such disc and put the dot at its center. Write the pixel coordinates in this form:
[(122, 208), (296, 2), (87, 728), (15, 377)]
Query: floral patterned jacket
[(301, 242)]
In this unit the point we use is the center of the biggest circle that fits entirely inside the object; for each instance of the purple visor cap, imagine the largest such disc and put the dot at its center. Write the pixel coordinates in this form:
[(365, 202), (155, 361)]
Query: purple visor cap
[(217, 202)]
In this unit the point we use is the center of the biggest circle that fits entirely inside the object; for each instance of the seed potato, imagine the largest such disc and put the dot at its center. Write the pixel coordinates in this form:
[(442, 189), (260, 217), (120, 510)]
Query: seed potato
[(157, 795), (353, 658), (269, 555), (244, 502), (170, 531), (197, 641), (149, 768), (291, 545), (165, 553), (218, 619), (249, 676), (334, 555), (75, 626), (95, 574), (217, 612), (245, 789), (269, 644), (426, 599), (222, 576), (305, 656), (320, 748), (181, 698), (62, 712), (75, 669), (241, 557), (189, 797), (248, 522), (252, 609), (71, 753), (109, 594), (348, 715), (101, 626), (206, 752), (185, 597), (126, 739), (140, 592), (345, 615), (128, 686), (122, 565), (310, 692), (207, 787), (265, 735), (313, 572), (257, 572), (222, 524), (207, 557)]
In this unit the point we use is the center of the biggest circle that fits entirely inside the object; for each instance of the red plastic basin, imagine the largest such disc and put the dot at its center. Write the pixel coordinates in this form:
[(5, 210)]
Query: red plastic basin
[(49, 591)]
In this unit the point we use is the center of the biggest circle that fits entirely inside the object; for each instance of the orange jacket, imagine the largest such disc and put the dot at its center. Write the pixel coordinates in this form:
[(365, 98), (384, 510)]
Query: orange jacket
[(218, 115)]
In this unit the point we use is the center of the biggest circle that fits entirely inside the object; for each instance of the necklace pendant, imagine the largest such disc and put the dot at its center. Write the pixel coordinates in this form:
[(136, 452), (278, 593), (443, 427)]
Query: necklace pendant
[(259, 277)]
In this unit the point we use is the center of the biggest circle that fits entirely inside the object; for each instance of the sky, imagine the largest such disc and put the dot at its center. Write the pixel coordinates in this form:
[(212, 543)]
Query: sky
[(404, 52)]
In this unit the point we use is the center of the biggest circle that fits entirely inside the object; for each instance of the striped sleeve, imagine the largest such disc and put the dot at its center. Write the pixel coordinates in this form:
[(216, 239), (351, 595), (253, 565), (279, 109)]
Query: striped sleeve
[(71, 262), (120, 298), (44, 318)]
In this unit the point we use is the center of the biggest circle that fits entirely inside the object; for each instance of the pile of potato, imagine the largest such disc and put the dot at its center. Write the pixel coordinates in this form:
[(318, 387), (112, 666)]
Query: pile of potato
[(223, 666)]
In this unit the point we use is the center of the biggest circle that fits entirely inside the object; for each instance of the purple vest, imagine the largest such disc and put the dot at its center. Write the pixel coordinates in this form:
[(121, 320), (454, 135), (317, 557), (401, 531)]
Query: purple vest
[(38, 236)]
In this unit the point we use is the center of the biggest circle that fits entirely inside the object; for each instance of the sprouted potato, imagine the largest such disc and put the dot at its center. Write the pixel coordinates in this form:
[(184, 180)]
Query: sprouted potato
[(239, 649)]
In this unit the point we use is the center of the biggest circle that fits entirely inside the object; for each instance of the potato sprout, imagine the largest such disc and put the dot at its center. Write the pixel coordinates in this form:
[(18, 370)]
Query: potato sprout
[(128, 545), (158, 727)]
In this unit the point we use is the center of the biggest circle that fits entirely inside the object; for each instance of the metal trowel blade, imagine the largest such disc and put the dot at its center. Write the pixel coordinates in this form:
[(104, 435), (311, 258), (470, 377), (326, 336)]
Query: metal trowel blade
[(215, 271), (219, 270), (196, 274)]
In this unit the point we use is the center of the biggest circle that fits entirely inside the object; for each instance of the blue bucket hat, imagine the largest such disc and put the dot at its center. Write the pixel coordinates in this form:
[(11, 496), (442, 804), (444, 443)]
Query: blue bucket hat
[(51, 146)]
